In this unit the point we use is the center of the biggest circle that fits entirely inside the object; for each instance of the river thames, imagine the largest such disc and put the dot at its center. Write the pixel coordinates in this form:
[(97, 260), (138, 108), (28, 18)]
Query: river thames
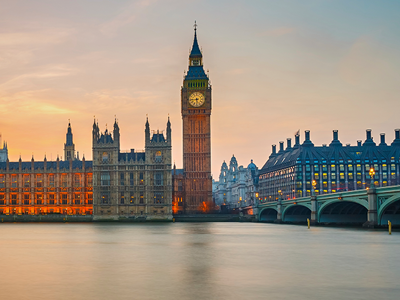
[(196, 261)]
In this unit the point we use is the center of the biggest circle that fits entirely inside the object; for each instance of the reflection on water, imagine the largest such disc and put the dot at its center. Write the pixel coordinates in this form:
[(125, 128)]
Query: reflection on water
[(196, 261)]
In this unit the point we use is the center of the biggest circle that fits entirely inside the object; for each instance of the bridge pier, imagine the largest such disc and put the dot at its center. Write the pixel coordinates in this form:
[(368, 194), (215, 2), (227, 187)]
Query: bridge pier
[(279, 210), (372, 209), (314, 210)]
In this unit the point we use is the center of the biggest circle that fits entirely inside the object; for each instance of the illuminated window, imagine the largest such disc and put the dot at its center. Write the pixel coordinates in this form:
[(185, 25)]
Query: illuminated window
[(90, 198), (141, 201), (26, 199), (39, 180), (14, 181), (158, 156), (122, 198), (1, 199), (158, 197), (77, 198), (132, 198), (89, 180), (14, 199), (105, 198), (122, 178), (39, 199), (51, 198), (141, 178), (64, 199), (2, 181)]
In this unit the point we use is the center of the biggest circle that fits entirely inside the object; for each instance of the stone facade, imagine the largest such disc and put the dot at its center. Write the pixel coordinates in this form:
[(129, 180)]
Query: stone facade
[(134, 184), (237, 186)]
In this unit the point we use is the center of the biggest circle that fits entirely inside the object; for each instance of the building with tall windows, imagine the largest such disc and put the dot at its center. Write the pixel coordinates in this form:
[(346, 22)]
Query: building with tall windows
[(47, 187), (290, 172), (132, 184), (116, 185)]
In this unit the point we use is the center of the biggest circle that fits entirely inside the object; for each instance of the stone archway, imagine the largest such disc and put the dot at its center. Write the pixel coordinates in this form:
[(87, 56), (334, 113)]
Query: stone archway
[(268, 215), (390, 212), (343, 212), (296, 213)]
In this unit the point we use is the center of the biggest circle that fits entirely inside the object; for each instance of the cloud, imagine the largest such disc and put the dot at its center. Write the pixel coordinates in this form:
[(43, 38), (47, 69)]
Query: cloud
[(47, 36), (279, 31)]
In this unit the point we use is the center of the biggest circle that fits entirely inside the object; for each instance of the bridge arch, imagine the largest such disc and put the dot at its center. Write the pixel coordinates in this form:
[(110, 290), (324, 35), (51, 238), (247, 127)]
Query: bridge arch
[(390, 211), (349, 211), (296, 213), (268, 214)]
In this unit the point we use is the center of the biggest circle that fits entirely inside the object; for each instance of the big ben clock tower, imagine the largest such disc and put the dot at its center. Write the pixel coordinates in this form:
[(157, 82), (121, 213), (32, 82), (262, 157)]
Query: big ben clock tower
[(196, 112)]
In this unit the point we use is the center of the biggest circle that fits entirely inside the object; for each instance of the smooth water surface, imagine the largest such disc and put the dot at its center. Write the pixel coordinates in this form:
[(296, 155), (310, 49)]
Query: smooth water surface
[(196, 261)]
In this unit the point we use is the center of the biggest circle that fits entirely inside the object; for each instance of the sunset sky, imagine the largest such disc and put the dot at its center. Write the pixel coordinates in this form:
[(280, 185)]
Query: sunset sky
[(275, 67)]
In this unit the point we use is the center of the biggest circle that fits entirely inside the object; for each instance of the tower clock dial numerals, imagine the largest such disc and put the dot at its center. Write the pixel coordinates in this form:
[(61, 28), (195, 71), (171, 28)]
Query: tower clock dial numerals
[(196, 99)]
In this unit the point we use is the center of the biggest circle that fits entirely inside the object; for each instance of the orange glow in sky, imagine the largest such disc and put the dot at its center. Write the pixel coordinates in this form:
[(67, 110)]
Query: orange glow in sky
[(275, 67)]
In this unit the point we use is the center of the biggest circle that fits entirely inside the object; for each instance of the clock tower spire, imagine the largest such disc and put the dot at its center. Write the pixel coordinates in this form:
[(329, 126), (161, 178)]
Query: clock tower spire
[(196, 113)]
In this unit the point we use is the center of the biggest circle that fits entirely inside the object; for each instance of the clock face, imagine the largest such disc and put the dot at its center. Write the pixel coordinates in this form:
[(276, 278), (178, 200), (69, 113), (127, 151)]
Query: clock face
[(196, 99)]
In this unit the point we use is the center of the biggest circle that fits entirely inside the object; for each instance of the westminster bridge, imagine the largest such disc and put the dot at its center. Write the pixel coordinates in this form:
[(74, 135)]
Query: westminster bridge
[(370, 207)]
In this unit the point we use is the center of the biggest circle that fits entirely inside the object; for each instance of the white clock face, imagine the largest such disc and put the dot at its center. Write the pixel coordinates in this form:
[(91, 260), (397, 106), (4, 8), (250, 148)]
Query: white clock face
[(196, 99)]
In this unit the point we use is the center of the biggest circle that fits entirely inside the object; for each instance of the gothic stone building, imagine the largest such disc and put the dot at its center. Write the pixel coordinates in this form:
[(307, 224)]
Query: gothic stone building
[(47, 187), (133, 184), (196, 177), (289, 173)]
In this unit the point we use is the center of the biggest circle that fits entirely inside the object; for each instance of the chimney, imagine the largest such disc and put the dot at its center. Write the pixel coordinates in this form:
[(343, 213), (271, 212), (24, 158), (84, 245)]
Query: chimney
[(280, 146), (359, 143), (307, 135), (369, 136), (335, 141), (307, 141), (289, 144), (273, 149), (369, 141), (335, 135), (396, 141), (383, 143)]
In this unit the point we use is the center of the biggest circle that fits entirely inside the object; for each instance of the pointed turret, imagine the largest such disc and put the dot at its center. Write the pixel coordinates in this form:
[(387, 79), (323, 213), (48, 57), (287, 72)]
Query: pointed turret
[(116, 133), (168, 131), (196, 52), (69, 147), (147, 130)]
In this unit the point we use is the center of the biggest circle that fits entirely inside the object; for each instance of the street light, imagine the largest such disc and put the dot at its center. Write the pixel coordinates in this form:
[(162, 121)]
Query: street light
[(314, 185), (280, 194), (372, 173)]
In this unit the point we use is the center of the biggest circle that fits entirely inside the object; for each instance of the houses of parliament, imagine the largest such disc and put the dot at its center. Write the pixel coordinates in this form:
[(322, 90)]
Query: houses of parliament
[(117, 184)]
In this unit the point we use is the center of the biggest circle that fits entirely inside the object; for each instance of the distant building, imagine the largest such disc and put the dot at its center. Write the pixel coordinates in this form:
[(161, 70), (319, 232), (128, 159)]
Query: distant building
[(46, 187), (237, 186), (133, 184), (3, 152), (289, 173)]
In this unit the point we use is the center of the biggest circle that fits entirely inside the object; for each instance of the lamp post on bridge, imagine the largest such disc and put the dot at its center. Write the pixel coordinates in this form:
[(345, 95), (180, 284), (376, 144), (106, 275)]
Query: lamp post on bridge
[(314, 185), (313, 203), (372, 173)]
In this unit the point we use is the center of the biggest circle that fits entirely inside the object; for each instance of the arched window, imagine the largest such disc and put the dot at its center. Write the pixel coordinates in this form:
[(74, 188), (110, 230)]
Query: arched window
[(158, 156), (105, 157)]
